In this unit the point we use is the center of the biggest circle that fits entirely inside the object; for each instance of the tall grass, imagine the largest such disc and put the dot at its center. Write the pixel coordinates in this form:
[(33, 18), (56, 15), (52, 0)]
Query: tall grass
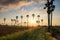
[(32, 34)]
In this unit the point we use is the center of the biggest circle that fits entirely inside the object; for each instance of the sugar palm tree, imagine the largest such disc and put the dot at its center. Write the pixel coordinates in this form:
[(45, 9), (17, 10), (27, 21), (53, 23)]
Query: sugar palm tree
[(50, 9), (25, 23), (11, 21), (42, 21), (27, 20), (33, 15), (4, 20), (21, 20), (16, 19), (38, 19)]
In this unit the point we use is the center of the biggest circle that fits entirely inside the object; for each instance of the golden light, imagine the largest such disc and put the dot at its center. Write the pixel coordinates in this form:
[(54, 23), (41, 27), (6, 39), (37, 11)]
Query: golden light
[(33, 22)]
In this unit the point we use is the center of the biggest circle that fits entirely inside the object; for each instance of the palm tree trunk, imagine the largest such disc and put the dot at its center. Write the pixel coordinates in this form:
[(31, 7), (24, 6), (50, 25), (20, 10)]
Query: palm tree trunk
[(51, 18), (21, 22), (48, 22), (38, 20), (32, 23), (27, 22), (15, 23), (11, 23)]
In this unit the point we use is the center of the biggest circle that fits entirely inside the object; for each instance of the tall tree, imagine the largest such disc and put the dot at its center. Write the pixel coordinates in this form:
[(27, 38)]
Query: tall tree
[(21, 20), (4, 20), (27, 20), (11, 21), (50, 8), (25, 23), (38, 19), (33, 15), (42, 21), (16, 19)]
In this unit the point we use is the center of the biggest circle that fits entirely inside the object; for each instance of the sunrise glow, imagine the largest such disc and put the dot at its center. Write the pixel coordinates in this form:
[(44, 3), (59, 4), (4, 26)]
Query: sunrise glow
[(11, 10)]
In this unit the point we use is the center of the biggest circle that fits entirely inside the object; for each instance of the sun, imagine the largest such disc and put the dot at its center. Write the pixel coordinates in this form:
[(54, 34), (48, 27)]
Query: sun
[(33, 22)]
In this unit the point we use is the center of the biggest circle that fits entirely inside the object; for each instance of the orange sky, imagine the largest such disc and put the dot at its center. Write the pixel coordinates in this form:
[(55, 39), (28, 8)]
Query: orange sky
[(11, 9)]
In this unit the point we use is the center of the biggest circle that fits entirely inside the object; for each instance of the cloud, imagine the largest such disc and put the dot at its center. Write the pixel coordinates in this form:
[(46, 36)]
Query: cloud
[(39, 1), (14, 4), (42, 1), (7, 2)]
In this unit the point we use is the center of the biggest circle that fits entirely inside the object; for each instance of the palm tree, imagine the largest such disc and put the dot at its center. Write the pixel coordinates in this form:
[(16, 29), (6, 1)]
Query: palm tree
[(4, 20), (16, 19), (21, 20), (38, 19), (11, 21), (27, 20), (50, 9), (42, 21), (25, 23), (33, 15)]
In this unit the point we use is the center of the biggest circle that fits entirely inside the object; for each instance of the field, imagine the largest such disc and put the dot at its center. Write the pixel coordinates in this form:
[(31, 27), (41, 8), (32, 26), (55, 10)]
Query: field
[(22, 33), (5, 29)]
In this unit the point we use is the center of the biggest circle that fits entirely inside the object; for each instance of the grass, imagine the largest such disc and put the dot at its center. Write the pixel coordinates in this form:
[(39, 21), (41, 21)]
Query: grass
[(31, 34)]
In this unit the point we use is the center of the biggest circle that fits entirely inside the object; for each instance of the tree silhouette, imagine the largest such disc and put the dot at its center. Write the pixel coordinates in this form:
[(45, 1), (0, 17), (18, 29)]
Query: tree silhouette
[(21, 20), (33, 15), (11, 21), (38, 19), (42, 21), (16, 19), (4, 20), (25, 23), (50, 8), (27, 20)]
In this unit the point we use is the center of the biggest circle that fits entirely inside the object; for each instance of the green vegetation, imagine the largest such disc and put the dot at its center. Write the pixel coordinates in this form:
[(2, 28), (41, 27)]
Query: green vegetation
[(55, 31), (31, 34)]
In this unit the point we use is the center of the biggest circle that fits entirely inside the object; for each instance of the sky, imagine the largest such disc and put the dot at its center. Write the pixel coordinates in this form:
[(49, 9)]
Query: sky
[(9, 9)]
